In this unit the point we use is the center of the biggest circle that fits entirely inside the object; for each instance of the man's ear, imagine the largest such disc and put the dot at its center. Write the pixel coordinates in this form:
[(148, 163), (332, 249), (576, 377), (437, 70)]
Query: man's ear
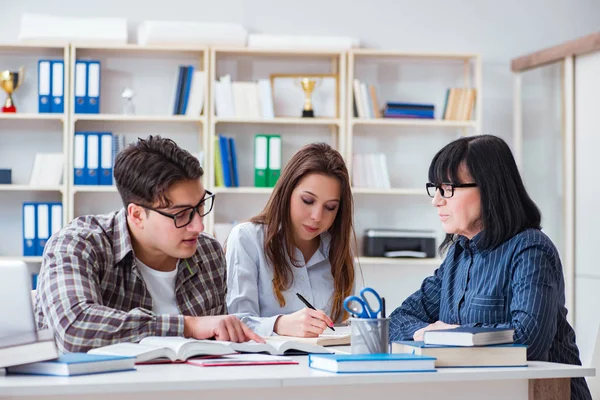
[(137, 215)]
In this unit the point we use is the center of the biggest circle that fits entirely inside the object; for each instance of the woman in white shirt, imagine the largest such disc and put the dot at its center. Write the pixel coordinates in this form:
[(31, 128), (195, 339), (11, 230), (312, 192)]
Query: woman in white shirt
[(300, 243)]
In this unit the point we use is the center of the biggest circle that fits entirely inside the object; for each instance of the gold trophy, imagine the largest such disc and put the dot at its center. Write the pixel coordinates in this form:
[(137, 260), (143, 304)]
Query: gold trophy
[(308, 85), (10, 81)]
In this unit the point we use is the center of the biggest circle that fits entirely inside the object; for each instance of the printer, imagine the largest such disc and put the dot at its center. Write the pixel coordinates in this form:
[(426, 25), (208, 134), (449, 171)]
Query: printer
[(399, 243)]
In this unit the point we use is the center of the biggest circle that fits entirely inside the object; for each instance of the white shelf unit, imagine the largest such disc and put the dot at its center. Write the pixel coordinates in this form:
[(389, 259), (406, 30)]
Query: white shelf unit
[(151, 71), (411, 78), (22, 135), (244, 64)]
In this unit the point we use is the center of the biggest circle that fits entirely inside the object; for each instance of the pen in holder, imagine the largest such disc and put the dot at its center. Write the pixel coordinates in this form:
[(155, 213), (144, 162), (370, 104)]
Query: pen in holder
[(370, 335)]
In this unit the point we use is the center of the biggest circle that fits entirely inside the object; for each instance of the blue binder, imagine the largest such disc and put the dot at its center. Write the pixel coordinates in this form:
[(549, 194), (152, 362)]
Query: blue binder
[(29, 229), (93, 87), (92, 158), (44, 85), (58, 87), (80, 87), (179, 90), (189, 72), (79, 158), (106, 158), (43, 227), (226, 161), (234, 170)]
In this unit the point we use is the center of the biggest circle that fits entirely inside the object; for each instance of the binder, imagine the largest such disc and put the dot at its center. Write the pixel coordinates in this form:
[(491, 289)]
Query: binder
[(261, 151), (92, 156), (189, 73), (43, 227), (179, 90), (80, 87), (93, 87), (234, 170), (219, 182), (29, 229), (106, 159), (56, 217), (79, 158), (274, 167), (44, 86), (58, 86), (226, 161)]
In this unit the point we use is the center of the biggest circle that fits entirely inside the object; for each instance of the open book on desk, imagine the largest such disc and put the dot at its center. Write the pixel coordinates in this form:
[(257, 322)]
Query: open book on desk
[(159, 349), (340, 337)]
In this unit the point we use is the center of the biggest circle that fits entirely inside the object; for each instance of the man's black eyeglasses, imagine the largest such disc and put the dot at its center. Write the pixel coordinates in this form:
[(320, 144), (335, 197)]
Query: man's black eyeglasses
[(446, 189), (185, 216)]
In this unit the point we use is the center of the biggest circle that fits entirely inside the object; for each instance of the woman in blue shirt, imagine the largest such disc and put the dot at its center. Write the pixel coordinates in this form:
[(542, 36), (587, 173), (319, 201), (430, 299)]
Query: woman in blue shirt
[(500, 269), (300, 243)]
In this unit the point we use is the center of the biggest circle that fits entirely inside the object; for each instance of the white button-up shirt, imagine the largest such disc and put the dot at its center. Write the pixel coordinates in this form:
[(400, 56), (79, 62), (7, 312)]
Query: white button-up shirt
[(250, 292)]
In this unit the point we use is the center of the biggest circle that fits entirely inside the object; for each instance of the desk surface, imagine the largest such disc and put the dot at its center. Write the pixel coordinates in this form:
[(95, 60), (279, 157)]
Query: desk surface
[(184, 377)]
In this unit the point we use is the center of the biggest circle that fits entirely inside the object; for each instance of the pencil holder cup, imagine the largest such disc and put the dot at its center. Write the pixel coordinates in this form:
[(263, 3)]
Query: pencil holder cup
[(370, 335)]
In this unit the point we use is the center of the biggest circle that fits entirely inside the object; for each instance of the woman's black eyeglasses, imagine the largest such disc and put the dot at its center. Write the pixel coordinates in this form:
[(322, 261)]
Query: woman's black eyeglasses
[(185, 216), (446, 189)]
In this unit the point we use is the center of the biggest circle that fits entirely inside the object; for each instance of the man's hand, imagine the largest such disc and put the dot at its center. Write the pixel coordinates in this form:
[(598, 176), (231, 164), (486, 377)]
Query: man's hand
[(418, 336), (221, 327), (303, 323)]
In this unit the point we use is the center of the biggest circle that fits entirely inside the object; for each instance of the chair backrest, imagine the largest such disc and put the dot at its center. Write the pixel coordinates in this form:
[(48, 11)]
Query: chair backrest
[(594, 381)]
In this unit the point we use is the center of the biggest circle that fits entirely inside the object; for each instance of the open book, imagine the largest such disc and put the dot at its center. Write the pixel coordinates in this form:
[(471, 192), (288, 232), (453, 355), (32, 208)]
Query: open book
[(340, 337), (178, 349)]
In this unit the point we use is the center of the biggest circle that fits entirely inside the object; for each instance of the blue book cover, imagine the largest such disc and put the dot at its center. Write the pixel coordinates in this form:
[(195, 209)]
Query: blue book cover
[(362, 363), (71, 364)]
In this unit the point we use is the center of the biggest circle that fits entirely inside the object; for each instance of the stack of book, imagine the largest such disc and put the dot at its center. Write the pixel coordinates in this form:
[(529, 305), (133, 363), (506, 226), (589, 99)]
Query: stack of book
[(468, 347), (460, 103), (252, 100), (408, 110), (366, 104), (189, 93)]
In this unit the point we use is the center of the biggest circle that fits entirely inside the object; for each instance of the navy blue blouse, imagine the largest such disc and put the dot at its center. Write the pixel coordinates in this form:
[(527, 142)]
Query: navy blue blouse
[(517, 285)]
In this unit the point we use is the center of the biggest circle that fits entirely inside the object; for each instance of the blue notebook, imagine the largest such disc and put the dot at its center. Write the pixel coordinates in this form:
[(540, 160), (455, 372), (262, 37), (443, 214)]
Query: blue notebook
[(76, 364), (361, 363)]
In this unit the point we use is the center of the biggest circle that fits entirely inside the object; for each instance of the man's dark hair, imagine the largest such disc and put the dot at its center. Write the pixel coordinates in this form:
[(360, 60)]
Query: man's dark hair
[(506, 208), (144, 171)]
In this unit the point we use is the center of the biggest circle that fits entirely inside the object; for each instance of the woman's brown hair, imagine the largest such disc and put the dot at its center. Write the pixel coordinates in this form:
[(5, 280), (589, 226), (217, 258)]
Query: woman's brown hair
[(315, 158)]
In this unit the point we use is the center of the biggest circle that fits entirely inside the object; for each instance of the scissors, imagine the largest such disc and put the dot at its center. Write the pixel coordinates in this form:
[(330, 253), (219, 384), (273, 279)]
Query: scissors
[(364, 310)]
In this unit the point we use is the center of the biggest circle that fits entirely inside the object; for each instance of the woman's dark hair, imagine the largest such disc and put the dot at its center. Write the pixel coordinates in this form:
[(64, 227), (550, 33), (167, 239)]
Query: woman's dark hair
[(506, 208), (144, 171), (315, 158)]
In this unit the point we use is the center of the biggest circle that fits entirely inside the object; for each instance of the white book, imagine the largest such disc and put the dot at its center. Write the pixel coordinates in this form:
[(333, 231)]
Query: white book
[(358, 99), (173, 348), (47, 170), (245, 99), (383, 171), (265, 91), (196, 99), (228, 108)]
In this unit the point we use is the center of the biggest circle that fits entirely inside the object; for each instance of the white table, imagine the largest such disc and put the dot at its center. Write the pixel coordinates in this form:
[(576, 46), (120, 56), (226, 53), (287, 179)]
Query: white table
[(182, 382)]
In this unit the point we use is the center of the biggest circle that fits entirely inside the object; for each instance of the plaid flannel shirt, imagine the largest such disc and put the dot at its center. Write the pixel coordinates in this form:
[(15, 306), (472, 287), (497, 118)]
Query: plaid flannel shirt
[(91, 292)]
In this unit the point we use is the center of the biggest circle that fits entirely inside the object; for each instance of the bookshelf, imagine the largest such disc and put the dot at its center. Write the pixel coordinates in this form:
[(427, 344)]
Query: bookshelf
[(245, 64), (151, 72), (410, 78), (22, 135)]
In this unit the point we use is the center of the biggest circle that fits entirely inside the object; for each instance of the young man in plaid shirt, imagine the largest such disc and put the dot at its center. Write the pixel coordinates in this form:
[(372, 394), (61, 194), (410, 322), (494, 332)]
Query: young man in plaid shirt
[(146, 270)]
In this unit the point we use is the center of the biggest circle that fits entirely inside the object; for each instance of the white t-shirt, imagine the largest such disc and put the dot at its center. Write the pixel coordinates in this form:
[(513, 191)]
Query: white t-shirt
[(161, 286)]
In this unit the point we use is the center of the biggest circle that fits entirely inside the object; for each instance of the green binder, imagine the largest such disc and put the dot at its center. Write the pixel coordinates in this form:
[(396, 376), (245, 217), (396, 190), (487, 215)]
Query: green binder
[(261, 154), (274, 168)]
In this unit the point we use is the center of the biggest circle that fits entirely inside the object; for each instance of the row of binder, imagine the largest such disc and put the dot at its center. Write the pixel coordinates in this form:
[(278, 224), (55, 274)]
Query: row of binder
[(51, 86), (94, 155), (40, 221), (87, 87), (267, 160), (226, 172)]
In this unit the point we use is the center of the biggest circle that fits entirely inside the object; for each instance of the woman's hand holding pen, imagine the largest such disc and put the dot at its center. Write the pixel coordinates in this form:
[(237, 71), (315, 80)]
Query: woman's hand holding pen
[(303, 323)]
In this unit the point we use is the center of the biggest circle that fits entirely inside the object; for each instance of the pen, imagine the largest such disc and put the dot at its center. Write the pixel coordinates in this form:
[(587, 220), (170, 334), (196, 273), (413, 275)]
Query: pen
[(383, 307), (307, 304)]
